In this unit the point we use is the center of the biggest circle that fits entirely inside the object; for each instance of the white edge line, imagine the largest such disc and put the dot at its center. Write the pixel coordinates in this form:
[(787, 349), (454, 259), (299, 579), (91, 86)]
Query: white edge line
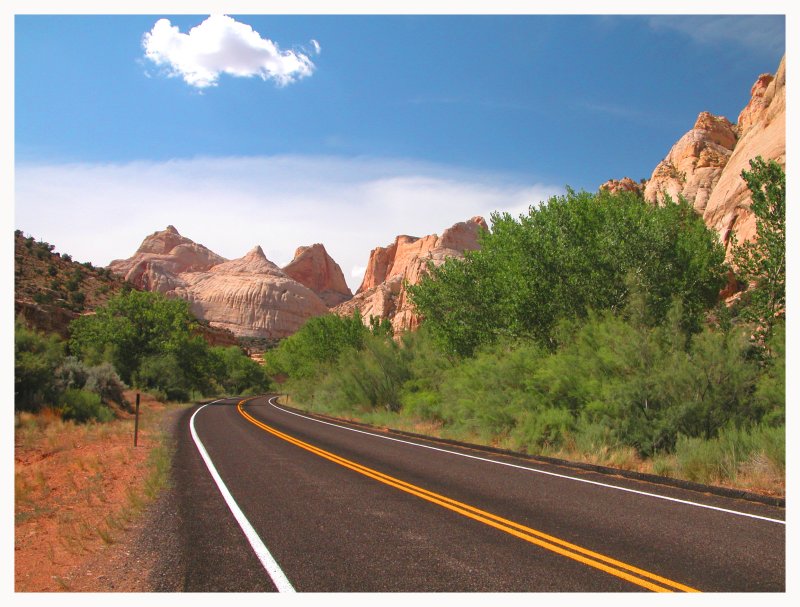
[(273, 569), (564, 476)]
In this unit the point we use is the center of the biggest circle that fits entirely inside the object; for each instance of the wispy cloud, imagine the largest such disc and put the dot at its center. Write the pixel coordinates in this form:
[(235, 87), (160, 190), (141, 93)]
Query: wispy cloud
[(220, 44), (101, 212), (617, 111), (754, 32)]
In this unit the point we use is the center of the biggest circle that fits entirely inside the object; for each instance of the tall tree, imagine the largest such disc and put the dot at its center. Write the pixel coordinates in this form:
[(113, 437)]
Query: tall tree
[(761, 263)]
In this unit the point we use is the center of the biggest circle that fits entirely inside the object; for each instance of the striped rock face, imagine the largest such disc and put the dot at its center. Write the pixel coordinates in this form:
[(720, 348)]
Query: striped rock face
[(249, 296), (705, 165), (762, 132)]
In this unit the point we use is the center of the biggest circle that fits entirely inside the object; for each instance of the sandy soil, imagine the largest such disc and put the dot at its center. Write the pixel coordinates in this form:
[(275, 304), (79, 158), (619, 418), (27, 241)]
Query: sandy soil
[(80, 495)]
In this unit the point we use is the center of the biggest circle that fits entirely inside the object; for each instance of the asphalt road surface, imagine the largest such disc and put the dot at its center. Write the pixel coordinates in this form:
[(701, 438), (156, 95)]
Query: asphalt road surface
[(269, 499)]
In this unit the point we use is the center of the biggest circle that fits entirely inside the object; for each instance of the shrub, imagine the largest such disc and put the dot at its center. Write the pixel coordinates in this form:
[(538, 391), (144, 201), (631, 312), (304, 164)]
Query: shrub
[(722, 458), (543, 430), (164, 373), (104, 381), (237, 373), (72, 373), (83, 406), (36, 358)]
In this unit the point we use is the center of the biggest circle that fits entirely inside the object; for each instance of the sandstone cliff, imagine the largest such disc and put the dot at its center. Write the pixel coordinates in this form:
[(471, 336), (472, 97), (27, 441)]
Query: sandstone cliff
[(705, 165), (315, 269), (404, 261), (249, 296), (161, 257), (626, 184), (694, 164), (762, 132)]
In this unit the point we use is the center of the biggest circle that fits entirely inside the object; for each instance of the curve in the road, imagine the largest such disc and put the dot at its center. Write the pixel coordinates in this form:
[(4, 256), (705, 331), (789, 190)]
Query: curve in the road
[(269, 563), (630, 573), (536, 470)]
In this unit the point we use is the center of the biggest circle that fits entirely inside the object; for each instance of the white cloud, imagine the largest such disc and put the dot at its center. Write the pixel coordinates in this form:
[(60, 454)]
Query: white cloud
[(101, 212), (754, 32), (220, 45)]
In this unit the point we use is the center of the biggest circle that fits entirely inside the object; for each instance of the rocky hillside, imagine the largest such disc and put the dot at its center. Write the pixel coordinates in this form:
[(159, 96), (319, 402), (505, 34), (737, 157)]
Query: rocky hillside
[(705, 165), (50, 289), (404, 261), (250, 296)]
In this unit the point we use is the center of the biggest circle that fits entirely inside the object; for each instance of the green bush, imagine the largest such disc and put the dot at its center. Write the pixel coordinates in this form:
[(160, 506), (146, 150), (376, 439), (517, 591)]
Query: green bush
[(36, 358), (164, 373), (721, 459), (318, 343), (236, 373), (540, 431), (83, 406)]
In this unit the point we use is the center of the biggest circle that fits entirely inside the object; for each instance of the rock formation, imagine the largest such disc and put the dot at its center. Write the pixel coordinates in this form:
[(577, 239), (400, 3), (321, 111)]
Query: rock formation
[(705, 165), (762, 132), (382, 291), (626, 184), (250, 296), (314, 268), (695, 163)]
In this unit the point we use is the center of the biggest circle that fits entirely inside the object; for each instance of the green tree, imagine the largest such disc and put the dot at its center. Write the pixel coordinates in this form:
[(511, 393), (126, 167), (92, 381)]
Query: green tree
[(237, 373), (132, 327), (318, 343), (570, 255), (761, 263)]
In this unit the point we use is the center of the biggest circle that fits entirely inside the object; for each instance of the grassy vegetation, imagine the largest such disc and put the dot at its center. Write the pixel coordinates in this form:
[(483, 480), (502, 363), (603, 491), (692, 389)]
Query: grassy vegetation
[(590, 329)]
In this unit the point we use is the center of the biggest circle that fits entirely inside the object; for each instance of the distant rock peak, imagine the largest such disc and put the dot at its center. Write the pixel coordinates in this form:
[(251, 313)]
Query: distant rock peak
[(250, 296), (256, 253), (316, 270), (405, 261)]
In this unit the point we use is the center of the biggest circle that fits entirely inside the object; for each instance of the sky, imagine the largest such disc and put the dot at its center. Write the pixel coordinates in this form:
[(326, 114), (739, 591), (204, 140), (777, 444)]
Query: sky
[(246, 129)]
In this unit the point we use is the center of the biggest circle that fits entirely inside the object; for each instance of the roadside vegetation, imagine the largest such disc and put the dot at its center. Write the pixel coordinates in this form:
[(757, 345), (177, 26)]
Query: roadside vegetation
[(79, 482), (138, 339), (591, 328)]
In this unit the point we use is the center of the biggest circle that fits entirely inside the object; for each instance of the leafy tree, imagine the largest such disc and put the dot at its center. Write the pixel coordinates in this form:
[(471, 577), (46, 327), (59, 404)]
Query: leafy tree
[(318, 342), (237, 373), (761, 263), (570, 255), (132, 327)]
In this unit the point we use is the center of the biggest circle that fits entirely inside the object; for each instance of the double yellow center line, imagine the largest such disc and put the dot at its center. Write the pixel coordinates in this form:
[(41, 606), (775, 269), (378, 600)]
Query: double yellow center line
[(632, 574)]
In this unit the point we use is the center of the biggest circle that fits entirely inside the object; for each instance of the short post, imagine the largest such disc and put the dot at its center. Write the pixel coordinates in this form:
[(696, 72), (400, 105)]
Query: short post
[(136, 423)]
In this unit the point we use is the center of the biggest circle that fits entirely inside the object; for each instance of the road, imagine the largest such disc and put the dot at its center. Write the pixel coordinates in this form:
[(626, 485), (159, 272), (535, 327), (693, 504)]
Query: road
[(327, 507)]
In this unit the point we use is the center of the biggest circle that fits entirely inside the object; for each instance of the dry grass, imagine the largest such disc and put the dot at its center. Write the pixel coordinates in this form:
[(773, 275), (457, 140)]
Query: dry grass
[(78, 488)]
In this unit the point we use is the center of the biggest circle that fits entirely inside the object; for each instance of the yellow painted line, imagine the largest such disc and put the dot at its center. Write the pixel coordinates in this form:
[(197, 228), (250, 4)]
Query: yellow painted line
[(622, 570)]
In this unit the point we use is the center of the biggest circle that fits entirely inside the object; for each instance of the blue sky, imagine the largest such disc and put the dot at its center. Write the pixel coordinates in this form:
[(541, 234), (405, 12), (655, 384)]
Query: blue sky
[(356, 128)]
